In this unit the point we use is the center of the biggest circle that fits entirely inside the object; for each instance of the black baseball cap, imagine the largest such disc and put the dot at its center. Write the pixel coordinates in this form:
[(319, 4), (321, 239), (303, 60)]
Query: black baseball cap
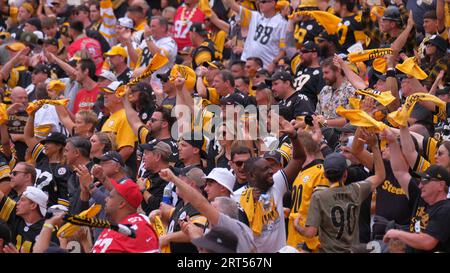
[(196, 141), (42, 68), (114, 156), (310, 46), (263, 71), (55, 137), (52, 41), (436, 172), (199, 28), (281, 75), (334, 166), (34, 21), (439, 42), (164, 77)]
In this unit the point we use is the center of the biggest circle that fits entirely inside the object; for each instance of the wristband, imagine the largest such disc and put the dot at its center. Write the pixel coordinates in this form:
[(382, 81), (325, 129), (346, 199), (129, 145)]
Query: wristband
[(50, 226)]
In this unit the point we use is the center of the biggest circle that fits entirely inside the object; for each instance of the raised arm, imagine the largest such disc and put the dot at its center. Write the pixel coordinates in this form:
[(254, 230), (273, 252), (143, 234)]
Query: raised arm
[(440, 14), (5, 140), (195, 198), (221, 24), (233, 5), (398, 162), (6, 69), (64, 117), (132, 116), (298, 152), (380, 172), (408, 148), (401, 40), (28, 132), (391, 83), (352, 77), (359, 152), (65, 66)]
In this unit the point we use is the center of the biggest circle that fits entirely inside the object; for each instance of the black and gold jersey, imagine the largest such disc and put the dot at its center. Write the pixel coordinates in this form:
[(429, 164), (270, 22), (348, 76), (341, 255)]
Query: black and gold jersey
[(23, 234), (51, 178), (298, 104), (309, 81), (307, 31), (351, 30), (429, 149), (180, 213)]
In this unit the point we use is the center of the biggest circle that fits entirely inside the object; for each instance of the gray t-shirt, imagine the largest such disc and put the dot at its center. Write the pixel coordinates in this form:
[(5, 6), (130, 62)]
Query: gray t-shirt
[(246, 243), (335, 212)]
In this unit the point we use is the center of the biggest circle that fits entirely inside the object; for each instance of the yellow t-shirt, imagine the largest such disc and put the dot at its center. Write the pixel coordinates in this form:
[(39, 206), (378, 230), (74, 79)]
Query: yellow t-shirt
[(310, 177), (118, 124)]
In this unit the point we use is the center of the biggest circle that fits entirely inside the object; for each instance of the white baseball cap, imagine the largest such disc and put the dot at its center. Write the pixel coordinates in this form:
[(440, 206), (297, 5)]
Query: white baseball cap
[(37, 196), (222, 176), (108, 75), (126, 22)]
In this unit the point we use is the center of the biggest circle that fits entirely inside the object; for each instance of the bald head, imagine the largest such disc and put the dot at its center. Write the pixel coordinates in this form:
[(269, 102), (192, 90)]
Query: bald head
[(19, 95)]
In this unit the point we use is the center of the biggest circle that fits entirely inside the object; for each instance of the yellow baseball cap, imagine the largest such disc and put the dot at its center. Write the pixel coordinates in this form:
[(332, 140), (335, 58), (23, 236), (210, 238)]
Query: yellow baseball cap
[(308, 5), (16, 46), (117, 50), (56, 85), (410, 67)]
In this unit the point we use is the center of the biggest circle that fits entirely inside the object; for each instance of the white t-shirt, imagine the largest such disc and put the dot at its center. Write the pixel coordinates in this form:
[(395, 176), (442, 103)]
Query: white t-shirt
[(273, 236), (47, 116), (169, 48), (265, 36)]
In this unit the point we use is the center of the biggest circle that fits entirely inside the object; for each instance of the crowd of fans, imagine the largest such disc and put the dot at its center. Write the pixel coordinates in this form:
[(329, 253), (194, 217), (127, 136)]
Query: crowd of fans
[(224, 126)]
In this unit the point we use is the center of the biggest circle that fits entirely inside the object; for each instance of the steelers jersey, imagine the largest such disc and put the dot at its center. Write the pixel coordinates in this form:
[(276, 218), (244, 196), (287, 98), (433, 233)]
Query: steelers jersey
[(349, 31), (310, 177), (51, 178), (23, 235), (145, 137), (421, 165), (206, 52), (266, 36), (429, 149), (298, 104), (309, 81), (307, 31)]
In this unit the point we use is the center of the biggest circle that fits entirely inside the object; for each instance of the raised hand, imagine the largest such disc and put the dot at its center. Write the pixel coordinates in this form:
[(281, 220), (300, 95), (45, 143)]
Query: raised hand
[(166, 174)]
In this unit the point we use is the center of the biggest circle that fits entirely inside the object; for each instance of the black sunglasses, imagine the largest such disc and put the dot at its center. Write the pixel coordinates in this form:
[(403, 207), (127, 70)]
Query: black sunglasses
[(17, 172), (425, 181), (239, 163)]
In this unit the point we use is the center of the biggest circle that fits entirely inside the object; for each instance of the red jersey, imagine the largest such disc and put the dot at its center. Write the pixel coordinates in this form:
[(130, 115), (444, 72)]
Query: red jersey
[(146, 240), (182, 24), (85, 99), (92, 46)]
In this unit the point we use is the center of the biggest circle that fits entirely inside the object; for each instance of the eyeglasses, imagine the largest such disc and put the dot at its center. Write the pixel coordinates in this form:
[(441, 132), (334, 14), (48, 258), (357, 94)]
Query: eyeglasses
[(425, 181), (14, 173), (304, 51), (239, 164)]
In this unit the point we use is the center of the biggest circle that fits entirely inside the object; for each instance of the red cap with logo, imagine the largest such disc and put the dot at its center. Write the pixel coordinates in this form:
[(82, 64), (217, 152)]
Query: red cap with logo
[(129, 190)]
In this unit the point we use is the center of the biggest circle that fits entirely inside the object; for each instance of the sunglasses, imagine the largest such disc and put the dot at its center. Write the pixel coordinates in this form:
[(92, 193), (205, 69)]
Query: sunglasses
[(304, 51), (154, 119), (239, 164)]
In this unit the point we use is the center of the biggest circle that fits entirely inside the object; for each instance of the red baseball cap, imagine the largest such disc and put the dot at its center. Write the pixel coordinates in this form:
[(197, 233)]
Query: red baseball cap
[(129, 190)]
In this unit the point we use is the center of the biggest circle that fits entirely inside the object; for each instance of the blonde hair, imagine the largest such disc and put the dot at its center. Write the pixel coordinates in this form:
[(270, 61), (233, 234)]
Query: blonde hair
[(108, 139)]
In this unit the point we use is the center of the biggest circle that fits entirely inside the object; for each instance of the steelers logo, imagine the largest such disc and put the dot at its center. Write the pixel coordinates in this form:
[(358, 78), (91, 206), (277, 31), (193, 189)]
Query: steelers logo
[(144, 116), (62, 171), (183, 216), (316, 72), (306, 179), (309, 27)]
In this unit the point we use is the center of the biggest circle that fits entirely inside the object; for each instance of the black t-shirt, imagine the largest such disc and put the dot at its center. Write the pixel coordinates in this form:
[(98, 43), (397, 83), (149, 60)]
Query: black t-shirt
[(180, 213), (433, 220), (309, 81), (307, 31), (74, 190), (214, 160), (51, 178), (155, 186), (391, 202), (23, 235), (298, 104)]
